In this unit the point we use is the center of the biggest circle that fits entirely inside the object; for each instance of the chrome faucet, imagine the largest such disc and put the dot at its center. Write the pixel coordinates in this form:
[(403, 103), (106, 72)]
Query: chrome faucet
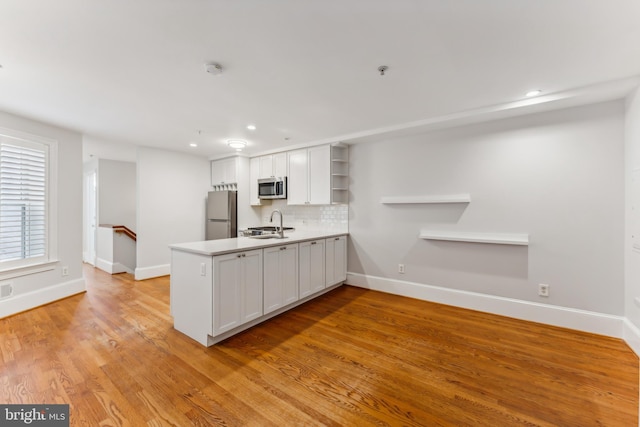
[(281, 227)]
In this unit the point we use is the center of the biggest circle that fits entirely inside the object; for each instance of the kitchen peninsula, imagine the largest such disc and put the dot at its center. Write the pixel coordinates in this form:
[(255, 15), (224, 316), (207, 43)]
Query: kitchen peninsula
[(222, 287)]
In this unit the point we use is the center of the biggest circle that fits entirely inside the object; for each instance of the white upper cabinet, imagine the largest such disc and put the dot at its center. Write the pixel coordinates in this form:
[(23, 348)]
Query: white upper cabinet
[(224, 172), (297, 184), (254, 173), (310, 176), (273, 165)]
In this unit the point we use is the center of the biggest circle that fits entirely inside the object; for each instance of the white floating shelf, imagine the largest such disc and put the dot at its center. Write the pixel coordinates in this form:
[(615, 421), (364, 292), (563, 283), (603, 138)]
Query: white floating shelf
[(494, 238), (445, 198)]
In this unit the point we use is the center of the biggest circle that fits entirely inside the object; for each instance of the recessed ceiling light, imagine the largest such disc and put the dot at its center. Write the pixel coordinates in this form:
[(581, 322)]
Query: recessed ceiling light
[(238, 144), (251, 127), (533, 93), (193, 144)]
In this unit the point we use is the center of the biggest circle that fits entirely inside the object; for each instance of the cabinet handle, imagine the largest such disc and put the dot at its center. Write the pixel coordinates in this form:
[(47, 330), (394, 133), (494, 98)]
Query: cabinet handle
[(337, 238), (284, 248), (314, 243), (238, 255), (244, 255)]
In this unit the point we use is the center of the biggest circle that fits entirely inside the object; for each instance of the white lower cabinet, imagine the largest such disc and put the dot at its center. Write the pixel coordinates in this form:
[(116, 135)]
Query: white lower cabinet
[(336, 260), (312, 267), (237, 293), (280, 276), (215, 296)]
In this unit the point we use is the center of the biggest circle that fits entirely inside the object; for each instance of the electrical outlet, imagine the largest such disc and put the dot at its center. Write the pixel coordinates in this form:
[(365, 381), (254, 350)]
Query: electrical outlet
[(401, 268), (6, 289), (65, 270), (543, 290)]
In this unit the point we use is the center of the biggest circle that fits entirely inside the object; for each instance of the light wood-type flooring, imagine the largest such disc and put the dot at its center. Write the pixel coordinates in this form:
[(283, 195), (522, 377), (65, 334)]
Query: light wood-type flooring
[(352, 357)]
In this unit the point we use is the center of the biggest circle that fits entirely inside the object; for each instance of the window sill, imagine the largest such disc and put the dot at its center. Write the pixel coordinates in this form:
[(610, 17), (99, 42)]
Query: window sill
[(26, 270)]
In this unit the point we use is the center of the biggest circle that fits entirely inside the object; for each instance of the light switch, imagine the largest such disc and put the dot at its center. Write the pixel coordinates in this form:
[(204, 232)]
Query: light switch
[(203, 269)]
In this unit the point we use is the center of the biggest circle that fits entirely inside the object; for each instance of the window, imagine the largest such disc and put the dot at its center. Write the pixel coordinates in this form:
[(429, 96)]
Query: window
[(25, 220)]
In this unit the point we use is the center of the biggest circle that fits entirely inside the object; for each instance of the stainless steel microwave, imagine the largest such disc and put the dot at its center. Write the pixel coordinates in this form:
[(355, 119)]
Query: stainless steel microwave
[(272, 188)]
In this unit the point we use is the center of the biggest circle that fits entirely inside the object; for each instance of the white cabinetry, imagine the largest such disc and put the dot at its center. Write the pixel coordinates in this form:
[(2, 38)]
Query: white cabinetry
[(318, 175), (309, 176), (336, 260), (265, 167), (254, 172), (280, 276), (273, 165), (312, 267), (237, 294), (216, 294), (224, 173), (339, 174)]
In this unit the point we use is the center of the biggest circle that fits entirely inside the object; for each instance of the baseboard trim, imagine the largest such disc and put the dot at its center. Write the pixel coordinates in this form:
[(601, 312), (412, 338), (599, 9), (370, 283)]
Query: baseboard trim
[(112, 267), (631, 335), (582, 320), (154, 271), (23, 302)]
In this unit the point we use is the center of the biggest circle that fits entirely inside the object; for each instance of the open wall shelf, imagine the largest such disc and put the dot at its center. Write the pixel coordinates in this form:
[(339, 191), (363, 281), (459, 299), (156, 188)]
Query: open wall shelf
[(463, 236), (444, 198)]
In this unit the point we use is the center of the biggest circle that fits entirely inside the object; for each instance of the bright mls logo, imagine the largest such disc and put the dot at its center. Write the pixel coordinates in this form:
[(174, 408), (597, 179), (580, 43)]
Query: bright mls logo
[(34, 415)]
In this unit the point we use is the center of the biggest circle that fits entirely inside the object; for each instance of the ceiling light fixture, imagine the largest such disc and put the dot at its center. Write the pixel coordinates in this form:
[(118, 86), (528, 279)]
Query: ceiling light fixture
[(532, 93), (238, 144), (193, 144), (213, 68), (251, 127)]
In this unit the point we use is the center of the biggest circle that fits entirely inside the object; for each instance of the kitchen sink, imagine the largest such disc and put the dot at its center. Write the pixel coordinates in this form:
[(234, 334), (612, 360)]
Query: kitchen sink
[(269, 228), (268, 236), (265, 232)]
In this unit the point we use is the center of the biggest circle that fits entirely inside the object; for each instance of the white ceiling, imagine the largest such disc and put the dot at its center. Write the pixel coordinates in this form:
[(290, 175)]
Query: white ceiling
[(302, 71)]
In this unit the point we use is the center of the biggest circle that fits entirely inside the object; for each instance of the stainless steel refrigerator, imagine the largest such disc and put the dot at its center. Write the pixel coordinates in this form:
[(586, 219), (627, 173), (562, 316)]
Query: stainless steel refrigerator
[(222, 216)]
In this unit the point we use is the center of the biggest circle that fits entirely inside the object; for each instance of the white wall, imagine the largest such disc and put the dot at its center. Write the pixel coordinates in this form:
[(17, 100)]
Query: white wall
[(557, 176), (117, 193), (172, 189), (40, 288), (632, 223)]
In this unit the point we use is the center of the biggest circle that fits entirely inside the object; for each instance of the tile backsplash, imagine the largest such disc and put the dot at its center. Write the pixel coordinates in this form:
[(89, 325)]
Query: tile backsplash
[(324, 216)]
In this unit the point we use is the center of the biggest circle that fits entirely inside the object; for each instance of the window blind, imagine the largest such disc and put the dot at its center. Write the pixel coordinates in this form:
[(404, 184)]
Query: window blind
[(23, 200)]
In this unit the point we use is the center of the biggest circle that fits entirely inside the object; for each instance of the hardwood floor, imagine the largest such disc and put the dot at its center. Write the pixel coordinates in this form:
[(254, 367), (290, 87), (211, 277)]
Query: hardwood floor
[(352, 357)]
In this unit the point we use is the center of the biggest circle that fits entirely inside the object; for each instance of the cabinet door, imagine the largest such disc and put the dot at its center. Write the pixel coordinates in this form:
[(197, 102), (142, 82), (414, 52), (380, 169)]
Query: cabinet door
[(251, 285), (312, 267), (217, 173), (340, 257), (224, 171), (272, 286), (254, 173), (280, 277), (319, 175), (226, 292), (266, 166), (289, 274), (336, 260), (297, 182), (280, 164), (230, 170)]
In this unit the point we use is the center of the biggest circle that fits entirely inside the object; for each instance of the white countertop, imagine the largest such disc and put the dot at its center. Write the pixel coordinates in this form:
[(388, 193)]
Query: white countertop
[(225, 246)]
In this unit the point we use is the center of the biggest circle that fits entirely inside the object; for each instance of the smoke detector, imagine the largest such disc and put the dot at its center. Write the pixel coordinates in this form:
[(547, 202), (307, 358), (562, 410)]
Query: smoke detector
[(213, 68)]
